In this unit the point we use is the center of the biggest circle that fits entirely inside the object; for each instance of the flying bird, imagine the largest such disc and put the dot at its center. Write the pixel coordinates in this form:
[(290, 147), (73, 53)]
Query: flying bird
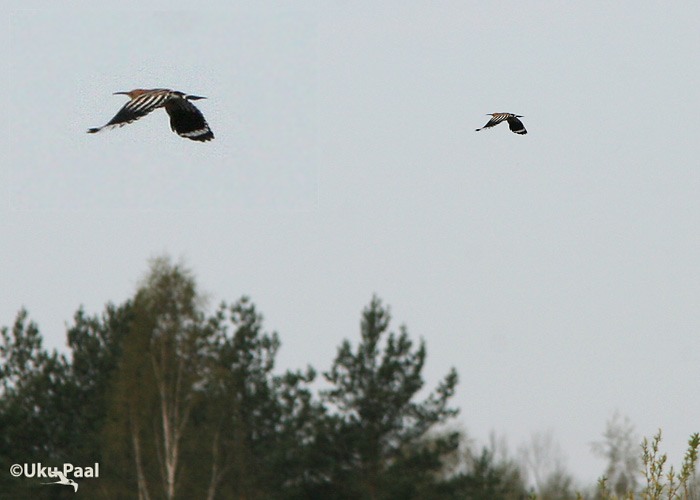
[(513, 122), (185, 119), (64, 480)]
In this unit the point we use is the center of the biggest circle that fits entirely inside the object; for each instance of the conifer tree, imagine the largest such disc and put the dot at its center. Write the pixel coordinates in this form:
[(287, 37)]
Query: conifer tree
[(377, 424)]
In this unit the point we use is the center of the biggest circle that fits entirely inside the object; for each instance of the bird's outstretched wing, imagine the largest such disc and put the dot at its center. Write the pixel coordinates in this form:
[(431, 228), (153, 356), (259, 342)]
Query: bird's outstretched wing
[(516, 126), (495, 120), (187, 121), (133, 110)]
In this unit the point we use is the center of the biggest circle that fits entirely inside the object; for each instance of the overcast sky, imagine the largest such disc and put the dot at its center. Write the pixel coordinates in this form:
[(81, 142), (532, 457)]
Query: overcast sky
[(559, 271)]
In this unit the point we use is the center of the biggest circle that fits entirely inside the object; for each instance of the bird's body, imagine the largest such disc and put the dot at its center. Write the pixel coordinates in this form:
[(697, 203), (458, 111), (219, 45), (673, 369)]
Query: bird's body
[(514, 123), (185, 119)]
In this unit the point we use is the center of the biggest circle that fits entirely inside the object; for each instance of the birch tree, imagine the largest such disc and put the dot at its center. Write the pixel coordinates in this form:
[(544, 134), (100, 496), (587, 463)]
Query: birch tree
[(159, 378)]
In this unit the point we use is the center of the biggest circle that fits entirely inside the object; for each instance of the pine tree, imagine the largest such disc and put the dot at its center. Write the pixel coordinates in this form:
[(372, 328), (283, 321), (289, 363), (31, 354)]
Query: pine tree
[(376, 425)]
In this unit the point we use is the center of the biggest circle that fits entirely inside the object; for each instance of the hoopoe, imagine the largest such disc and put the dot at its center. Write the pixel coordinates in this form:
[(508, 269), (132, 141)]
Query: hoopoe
[(513, 122), (185, 119)]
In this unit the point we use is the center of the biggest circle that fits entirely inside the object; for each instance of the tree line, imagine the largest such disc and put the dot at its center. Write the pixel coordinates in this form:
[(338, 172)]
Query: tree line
[(174, 403)]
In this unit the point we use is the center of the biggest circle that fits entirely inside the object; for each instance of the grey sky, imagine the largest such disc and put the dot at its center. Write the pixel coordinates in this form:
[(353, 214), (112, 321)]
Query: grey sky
[(559, 272)]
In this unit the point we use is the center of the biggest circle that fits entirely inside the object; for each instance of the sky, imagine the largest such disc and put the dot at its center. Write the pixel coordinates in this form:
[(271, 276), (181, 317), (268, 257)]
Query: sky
[(558, 272)]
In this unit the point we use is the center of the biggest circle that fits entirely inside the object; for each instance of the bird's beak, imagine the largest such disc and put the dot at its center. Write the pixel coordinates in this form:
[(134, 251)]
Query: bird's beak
[(195, 97), (124, 93)]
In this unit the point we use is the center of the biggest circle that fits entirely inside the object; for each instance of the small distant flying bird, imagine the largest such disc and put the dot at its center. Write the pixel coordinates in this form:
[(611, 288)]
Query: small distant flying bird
[(185, 119), (64, 480), (513, 122)]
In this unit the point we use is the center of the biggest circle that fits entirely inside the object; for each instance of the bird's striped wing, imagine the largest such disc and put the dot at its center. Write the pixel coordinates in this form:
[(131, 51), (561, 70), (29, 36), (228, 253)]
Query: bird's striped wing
[(495, 120), (187, 121), (516, 126), (133, 110)]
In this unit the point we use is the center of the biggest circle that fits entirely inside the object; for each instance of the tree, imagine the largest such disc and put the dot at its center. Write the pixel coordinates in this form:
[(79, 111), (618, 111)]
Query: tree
[(375, 424), (542, 457), (620, 447), (95, 343), (487, 478), (196, 410), (34, 394), (156, 383), (52, 409), (662, 483), (482, 474), (175, 403), (259, 424)]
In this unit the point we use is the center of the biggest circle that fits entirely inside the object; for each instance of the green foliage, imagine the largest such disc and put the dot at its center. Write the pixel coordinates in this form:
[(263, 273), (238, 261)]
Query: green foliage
[(487, 479), (660, 485), (672, 485), (558, 485), (174, 403), (35, 411), (258, 422), (31, 379), (151, 394), (375, 421), (96, 346)]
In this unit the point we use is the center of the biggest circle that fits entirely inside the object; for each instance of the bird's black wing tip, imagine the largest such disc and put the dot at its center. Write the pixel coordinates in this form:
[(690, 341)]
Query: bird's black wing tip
[(204, 138), (208, 136)]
